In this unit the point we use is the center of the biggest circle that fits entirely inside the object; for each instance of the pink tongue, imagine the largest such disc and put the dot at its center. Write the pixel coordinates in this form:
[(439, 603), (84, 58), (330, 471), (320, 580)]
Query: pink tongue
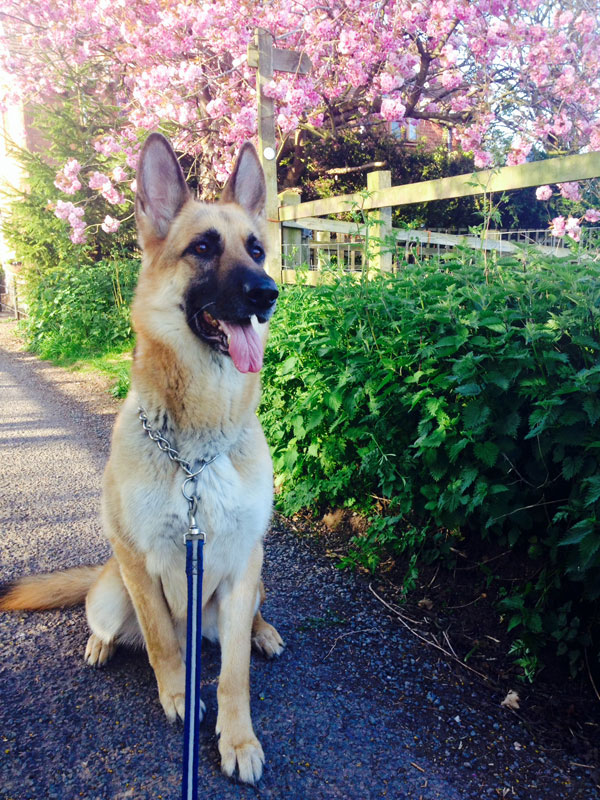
[(245, 346)]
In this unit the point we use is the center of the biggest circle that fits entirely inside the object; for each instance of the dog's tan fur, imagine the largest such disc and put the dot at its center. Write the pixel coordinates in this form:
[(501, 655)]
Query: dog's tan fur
[(205, 407)]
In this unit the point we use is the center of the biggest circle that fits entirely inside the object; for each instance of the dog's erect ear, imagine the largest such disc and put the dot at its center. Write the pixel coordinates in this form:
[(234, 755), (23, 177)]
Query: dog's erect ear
[(246, 184), (161, 188)]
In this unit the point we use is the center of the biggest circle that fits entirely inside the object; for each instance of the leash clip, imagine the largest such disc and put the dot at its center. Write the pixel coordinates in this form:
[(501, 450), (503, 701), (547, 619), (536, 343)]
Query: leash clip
[(193, 533)]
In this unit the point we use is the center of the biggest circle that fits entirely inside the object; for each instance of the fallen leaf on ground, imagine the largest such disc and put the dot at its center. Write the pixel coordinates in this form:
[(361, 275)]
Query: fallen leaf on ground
[(511, 701)]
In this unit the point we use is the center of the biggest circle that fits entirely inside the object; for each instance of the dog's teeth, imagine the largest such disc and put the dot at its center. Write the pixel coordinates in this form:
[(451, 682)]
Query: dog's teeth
[(210, 320)]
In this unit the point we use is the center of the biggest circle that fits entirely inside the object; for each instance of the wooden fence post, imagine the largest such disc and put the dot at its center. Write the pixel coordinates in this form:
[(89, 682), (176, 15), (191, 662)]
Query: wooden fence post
[(291, 238), (323, 259), (267, 151), (381, 223), (16, 296), (267, 59)]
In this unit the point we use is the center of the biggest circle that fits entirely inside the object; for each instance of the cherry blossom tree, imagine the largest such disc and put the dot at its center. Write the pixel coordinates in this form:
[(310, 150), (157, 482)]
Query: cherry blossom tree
[(527, 68)]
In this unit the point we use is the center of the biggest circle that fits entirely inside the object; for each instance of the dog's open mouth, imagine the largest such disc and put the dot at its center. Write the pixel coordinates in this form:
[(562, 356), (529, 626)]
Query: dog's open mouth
[(238, 339)]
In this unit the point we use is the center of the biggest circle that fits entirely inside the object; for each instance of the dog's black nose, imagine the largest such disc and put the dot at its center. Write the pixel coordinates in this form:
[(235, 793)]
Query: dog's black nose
[(260, 292)]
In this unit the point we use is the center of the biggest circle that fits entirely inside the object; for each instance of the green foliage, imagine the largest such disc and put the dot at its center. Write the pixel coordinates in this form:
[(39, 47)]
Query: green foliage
[(36, 235), (453, 398), (408, 164), (81, 311)]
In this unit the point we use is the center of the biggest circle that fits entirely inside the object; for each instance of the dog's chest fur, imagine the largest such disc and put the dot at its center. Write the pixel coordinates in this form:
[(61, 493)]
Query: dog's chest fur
[(233, 509)]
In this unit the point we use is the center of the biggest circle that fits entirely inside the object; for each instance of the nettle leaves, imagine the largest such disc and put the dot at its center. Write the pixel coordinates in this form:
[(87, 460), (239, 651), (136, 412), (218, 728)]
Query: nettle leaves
[(452, 400)]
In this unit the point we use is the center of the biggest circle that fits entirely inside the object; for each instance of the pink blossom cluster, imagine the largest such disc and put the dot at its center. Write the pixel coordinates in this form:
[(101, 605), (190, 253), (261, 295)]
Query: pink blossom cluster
[(74, 216), (544, 192), (392, 109), (67, 180), (110, 224), (571, 226), (570, 191), (477, 65), (103, 183), (519, 150)]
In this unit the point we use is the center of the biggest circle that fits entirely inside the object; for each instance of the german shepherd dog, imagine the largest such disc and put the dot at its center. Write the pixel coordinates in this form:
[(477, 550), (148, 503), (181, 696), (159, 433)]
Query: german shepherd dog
[(200, 311)]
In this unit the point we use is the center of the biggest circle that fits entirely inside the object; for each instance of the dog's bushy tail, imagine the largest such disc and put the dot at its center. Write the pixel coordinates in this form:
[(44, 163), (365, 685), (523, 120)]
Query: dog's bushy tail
[(54, 590)]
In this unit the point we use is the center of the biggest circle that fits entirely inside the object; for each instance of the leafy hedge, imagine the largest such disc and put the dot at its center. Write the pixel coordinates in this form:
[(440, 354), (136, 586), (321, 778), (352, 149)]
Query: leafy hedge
[(456, 398), (81, 310)]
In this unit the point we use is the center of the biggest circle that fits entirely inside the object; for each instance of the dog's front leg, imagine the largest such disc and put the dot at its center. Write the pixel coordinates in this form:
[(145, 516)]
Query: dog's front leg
[(157, 627), (237, 744)]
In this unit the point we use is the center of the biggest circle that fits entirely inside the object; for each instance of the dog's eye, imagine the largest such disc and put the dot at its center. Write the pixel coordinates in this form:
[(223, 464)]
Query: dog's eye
[(257, 252), (202, 248), (206, 245)]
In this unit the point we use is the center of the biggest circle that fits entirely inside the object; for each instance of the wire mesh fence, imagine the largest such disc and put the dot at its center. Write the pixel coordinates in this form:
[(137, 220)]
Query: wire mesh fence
[(318, 250)]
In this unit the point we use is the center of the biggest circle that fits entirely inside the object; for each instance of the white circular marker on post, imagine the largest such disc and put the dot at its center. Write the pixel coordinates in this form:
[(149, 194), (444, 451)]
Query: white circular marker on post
[(269, 153)]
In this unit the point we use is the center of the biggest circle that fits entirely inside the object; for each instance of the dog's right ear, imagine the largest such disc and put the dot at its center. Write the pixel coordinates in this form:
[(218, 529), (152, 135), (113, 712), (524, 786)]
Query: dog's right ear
[(161, 189)]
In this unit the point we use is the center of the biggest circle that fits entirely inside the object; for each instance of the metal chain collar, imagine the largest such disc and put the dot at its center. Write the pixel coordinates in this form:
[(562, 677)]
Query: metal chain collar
[(190, 494)]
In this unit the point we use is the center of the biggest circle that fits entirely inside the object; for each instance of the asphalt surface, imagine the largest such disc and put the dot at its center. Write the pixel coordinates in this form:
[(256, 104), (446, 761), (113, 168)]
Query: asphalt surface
[(354, 708)]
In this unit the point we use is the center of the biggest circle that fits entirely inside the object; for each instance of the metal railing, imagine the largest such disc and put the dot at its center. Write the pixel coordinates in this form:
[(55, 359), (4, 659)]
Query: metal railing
[(341, 248)]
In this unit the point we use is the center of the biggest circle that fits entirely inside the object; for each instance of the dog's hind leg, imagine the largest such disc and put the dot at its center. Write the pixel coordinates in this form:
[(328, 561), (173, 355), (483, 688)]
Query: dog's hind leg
[(110, 616), (265, 637)]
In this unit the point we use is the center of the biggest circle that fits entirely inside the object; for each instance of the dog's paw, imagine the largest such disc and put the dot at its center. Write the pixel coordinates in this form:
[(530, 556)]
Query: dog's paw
[(244, 753), (171, 693), (98, 652), (267, 641)]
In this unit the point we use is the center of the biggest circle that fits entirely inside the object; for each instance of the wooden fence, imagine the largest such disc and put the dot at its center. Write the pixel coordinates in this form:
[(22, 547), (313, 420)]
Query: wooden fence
[(284, 237), (296, 219), (11, 292)]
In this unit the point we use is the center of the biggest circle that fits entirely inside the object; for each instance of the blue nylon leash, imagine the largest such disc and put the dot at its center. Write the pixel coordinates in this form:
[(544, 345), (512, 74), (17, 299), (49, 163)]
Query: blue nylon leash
[(194, 545), (194, 566)]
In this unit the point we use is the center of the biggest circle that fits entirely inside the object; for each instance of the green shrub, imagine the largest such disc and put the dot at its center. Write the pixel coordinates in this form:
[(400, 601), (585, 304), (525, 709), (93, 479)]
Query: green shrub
[(453, 397), (39, 239), (77, 311)]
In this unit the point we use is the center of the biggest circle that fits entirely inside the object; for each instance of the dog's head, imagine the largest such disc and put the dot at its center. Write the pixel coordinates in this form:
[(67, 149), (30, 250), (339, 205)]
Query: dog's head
[(203, 265)]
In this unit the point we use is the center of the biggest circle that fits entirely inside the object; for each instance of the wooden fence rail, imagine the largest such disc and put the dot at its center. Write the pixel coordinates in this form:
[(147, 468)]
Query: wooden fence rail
[(538, 173)]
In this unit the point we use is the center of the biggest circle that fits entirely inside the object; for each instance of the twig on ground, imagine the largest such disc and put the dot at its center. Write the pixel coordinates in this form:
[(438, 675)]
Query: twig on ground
[(464, 605), (394, 608), (435, 574), (450, 645), (479, 564), (343, 636), (403, 619), (589, 672)]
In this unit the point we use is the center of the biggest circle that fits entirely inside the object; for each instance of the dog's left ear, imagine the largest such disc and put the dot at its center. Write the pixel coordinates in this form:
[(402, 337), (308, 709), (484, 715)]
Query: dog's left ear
[(246, 184)]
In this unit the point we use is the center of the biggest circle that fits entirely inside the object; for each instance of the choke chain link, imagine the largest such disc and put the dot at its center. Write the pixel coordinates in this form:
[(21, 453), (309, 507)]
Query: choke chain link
[(165, 446)]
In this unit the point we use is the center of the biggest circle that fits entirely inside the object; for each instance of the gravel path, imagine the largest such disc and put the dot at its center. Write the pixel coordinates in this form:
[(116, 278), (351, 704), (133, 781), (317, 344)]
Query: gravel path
[(355, 707)]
